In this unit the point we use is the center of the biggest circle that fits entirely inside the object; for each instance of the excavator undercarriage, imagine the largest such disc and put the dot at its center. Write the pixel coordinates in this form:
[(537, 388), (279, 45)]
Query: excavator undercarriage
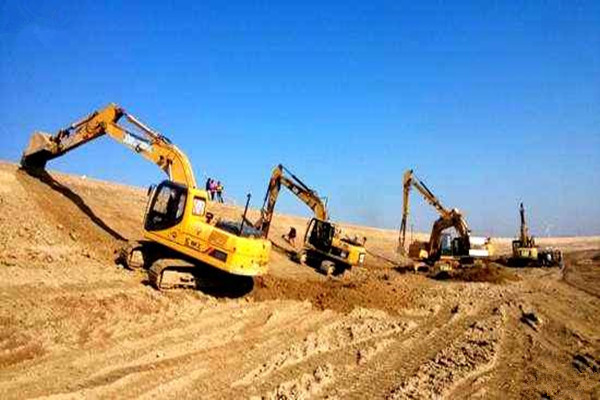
[(168, 270)]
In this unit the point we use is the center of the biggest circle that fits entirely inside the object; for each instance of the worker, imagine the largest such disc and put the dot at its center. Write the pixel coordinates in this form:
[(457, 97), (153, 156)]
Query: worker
[(209, 184), (213, 189), (220, 192), (291, 236)]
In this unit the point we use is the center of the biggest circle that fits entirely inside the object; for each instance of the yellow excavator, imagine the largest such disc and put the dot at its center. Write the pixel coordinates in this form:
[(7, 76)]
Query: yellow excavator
[(324, 247), (179, 230), (464, 246), (524, 248), (525, 252)]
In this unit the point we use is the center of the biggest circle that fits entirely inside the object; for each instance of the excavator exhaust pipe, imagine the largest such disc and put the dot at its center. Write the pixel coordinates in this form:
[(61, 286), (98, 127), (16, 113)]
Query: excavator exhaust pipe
[(39, 151)]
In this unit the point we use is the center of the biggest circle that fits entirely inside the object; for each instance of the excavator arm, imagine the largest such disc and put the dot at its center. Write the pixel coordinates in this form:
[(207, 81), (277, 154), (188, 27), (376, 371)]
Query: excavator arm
[(146, 142), (298, 188), (410, 181), (448, 218), (524, 237)]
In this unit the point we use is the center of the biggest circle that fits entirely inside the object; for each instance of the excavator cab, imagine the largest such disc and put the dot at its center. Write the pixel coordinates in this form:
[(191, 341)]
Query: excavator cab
[(446, 245), (166, 206), (320, 234), (460, 247)]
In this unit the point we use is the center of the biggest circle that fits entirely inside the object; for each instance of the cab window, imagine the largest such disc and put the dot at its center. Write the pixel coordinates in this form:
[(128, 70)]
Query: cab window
[(320, 234), (199, 206), (168, 206)]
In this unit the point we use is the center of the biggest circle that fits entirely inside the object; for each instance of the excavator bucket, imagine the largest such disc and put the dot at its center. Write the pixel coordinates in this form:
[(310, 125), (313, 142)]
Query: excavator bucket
[(39, 150)]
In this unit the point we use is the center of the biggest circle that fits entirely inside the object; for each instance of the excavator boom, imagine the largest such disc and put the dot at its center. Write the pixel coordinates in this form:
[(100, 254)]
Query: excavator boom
[(524, 232), (410, 181), (448, 218), (146, 142), (296, 186)]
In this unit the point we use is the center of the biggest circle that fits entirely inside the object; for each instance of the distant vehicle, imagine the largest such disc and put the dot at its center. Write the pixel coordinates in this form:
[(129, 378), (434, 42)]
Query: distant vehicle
[(463, 248), (525, 252)]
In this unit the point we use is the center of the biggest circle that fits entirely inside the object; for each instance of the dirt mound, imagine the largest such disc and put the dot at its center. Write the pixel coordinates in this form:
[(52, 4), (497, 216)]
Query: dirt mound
[(581, 271), (380, 291), (491, 273)]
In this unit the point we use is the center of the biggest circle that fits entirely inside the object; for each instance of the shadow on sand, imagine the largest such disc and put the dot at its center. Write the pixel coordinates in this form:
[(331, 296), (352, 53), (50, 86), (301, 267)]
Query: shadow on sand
[(43, 176)]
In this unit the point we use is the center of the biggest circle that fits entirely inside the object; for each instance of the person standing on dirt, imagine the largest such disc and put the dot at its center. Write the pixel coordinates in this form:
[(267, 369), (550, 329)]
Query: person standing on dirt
[(220, 192), (291, 236), (208, 185)]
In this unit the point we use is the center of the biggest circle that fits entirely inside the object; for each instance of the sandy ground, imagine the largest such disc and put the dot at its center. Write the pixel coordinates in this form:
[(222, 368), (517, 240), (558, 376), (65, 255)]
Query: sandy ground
[(74, 324)]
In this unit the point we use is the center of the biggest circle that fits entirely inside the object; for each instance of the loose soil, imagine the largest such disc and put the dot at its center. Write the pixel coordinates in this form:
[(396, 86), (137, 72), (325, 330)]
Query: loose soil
[(75, 324)]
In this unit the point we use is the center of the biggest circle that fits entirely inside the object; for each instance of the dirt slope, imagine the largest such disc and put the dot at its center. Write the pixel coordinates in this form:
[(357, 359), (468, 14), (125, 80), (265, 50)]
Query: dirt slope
[(73, 324)]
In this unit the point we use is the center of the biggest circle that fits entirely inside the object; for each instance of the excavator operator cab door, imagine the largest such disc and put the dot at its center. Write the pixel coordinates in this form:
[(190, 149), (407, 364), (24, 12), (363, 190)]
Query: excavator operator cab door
[(515, 247), (166, 206), (320, 234), (446, 245), (460, 248)]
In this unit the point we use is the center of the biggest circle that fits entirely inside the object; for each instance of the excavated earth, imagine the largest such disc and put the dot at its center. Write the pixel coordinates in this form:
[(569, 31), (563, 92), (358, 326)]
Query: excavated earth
[(74, 324)]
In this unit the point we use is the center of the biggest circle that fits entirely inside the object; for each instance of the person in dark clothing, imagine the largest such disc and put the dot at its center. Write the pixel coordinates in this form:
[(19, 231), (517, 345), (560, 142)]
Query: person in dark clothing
[(207, 187), (291, 236)]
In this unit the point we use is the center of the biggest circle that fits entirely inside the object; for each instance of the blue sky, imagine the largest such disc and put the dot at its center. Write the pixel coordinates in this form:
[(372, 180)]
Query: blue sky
[(490, 102)]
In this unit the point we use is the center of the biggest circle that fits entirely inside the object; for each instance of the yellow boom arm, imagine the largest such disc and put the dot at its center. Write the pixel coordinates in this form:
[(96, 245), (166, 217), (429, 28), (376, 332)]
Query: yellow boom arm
[(298, 188), (146, 142), (448, 218)]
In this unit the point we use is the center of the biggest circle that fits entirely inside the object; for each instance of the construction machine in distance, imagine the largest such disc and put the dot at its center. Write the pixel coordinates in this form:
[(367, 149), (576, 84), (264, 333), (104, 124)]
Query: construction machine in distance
[(180, 232), (463, 248), (525, 252), (324, 245)]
